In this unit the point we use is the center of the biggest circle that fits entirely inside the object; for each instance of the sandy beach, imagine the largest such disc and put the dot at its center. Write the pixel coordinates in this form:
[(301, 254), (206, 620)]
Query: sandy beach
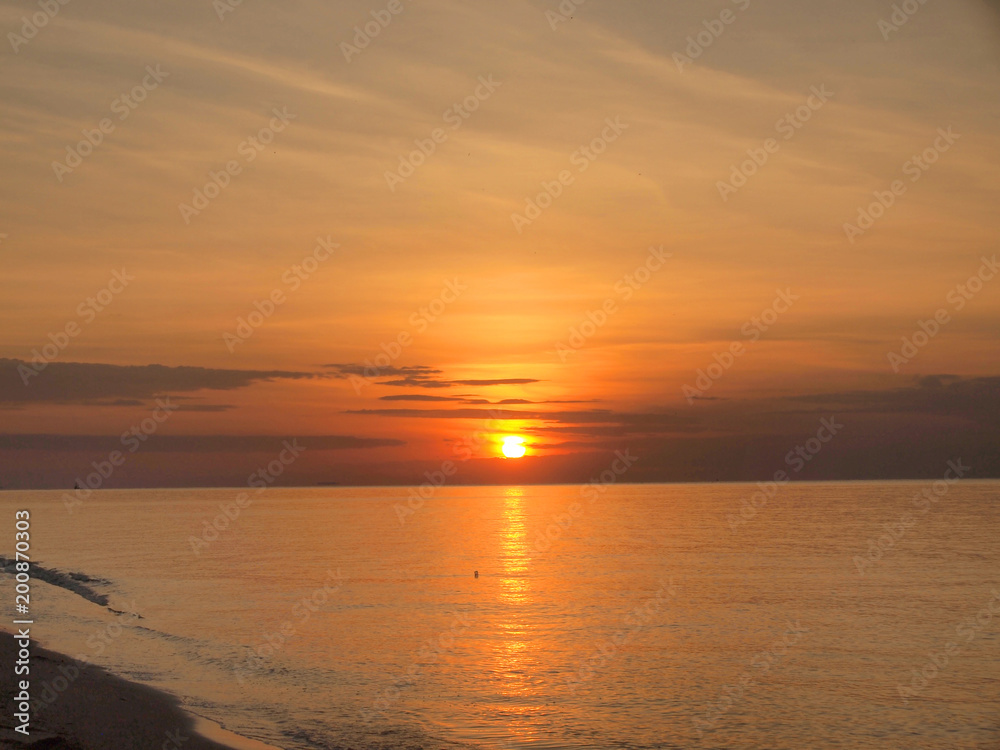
[(96, 710)]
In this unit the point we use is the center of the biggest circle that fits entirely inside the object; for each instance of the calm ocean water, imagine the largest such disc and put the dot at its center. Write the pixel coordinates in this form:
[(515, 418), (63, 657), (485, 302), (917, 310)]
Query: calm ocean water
[(643, 616)]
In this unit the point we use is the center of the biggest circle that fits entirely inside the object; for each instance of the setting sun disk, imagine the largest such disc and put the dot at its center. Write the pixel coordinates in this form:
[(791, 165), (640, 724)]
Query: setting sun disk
[(513, 447)]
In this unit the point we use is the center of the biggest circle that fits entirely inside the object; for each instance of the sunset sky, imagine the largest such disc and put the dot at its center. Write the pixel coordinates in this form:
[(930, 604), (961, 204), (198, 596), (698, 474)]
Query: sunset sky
[(581, 321)]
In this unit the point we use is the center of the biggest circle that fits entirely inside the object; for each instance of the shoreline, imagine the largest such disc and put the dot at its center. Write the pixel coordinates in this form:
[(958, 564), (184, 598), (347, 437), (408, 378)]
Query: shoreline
[(98, 710)]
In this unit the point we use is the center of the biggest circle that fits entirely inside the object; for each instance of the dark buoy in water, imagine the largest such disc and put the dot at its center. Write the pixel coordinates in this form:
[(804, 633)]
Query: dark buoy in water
[(477, 574)]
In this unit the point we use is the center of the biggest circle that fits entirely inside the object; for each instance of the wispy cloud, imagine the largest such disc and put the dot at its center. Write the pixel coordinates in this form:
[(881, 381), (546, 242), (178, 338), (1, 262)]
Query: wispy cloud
[(419, 376)]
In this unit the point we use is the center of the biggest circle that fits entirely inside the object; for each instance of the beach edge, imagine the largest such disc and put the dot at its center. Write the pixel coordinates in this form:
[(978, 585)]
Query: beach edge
[(97, 710)]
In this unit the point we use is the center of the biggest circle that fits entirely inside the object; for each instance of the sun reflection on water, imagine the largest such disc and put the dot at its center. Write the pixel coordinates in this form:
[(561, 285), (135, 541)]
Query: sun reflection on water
[(514, 548), (516, 663)]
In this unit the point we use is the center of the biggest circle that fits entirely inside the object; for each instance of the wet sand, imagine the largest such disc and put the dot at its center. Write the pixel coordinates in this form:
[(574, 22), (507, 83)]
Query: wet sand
[(95, 710)]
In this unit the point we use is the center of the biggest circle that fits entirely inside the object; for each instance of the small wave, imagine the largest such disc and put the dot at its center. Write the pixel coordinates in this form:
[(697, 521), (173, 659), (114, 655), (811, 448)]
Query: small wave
[(74, 582)]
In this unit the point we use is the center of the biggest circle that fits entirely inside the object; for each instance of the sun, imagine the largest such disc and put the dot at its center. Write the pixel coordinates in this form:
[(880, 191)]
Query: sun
[(513, 446)]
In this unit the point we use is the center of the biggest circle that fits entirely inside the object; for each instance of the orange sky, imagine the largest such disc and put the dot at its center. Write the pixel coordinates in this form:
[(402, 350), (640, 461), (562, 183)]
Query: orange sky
[(601, 112)]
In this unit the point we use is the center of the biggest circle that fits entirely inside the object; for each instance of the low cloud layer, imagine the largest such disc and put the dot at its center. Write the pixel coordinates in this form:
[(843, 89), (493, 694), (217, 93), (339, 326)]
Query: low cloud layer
[(189, 443), (116, 385)]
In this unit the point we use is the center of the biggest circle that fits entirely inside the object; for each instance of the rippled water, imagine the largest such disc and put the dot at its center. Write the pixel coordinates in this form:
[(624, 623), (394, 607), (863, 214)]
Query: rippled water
[(643, 621)]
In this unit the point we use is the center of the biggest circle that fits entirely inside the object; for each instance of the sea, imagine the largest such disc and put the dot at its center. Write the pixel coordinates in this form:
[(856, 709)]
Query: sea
[(595, 617)]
